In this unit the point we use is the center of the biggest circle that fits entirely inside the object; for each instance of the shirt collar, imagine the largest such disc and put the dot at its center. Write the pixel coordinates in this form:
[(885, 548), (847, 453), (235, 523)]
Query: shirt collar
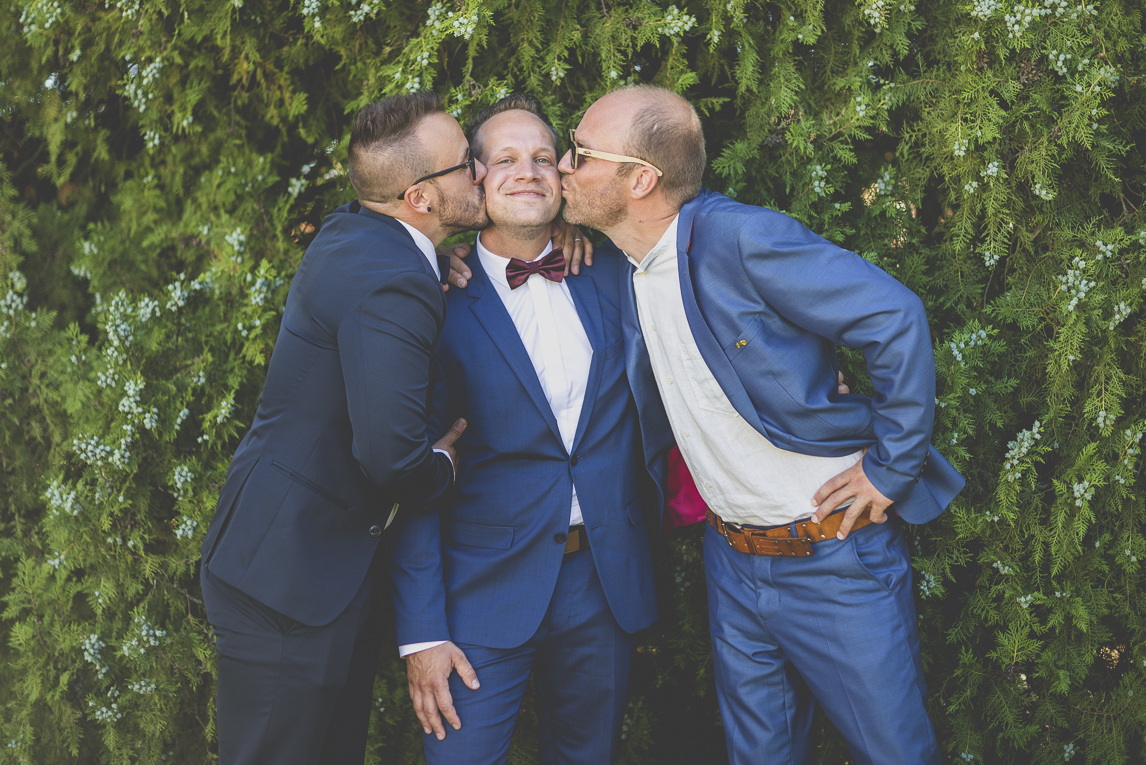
[(667, 243), (425, 245), (494, 264)]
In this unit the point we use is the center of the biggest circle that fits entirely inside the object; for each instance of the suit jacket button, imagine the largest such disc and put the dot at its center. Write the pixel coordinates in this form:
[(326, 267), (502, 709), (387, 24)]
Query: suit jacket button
[(559, 538), (573, 460), (375, 530)]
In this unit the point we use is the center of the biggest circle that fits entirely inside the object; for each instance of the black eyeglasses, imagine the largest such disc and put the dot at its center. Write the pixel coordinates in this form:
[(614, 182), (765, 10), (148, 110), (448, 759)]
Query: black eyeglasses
[(468, 163)]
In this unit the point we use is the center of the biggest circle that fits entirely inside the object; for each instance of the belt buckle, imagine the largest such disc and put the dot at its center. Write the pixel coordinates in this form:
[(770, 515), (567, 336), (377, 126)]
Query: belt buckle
[(733, 527)]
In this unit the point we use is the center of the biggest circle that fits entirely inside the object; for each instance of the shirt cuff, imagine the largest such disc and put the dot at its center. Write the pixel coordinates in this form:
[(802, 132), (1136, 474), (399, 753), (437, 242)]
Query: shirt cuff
[(453, 467), (406, 650)]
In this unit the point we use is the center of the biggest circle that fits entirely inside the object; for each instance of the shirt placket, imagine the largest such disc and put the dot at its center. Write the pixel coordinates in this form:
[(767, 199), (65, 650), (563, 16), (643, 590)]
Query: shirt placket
[(556, 377)]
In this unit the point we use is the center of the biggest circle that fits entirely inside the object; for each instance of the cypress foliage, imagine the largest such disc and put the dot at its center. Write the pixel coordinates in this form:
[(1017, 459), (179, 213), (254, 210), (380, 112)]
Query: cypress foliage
[(163, 166)]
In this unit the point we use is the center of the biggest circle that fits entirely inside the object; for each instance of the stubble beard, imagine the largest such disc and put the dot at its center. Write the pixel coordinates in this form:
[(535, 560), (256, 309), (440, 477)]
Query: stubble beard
[(460, 213), (601, 209)]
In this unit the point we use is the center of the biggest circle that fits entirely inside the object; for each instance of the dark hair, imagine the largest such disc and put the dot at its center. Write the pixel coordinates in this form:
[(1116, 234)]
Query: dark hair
[(514, 101), (384, 148), (666, 131)]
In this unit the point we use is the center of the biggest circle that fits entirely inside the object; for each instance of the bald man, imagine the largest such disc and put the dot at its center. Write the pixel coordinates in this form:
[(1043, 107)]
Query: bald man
[(732, 316)]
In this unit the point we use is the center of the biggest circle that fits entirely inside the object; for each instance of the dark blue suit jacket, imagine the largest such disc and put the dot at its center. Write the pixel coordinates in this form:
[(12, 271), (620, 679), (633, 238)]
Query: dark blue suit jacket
[(483, 569), (340, 432), (767, 302)]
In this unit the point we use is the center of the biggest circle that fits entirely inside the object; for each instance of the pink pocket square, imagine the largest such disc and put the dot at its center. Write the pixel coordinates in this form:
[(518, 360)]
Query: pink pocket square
[(683, 505)]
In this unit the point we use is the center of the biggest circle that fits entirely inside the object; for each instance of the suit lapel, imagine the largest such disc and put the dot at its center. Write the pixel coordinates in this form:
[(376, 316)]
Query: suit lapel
[(355, 207), (494, 318), (706, 342), (584, 292)]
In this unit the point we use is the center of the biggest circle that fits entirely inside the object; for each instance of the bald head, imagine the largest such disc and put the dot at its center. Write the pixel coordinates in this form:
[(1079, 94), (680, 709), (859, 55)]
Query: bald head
[(665, 130)]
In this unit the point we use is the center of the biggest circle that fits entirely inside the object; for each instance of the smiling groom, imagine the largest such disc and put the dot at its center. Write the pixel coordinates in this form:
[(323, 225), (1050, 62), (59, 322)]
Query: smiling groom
[(540, 560)]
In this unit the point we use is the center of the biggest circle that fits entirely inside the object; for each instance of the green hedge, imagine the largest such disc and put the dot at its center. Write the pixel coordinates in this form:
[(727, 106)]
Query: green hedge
[(163, 166)]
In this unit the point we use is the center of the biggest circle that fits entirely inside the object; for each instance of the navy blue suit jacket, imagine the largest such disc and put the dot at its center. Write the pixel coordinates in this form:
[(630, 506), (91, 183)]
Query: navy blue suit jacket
[(767, 302), (340, 433), (482, 570)]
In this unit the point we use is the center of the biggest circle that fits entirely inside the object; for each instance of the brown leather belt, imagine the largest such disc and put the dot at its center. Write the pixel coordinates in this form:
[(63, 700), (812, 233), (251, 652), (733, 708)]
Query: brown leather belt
[(779, 541), (578, 539)]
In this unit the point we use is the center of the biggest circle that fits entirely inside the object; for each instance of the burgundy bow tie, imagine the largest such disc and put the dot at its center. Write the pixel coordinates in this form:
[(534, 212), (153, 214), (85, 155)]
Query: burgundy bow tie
[(552, 267)]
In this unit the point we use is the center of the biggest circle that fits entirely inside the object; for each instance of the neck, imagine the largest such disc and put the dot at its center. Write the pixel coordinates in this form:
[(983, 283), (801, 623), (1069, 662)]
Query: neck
[(510, 242), (427, 224), (641, 230)]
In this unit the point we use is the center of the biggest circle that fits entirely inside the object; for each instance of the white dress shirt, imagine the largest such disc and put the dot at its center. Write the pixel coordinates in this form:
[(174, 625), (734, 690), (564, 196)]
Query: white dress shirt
[(425, 245), (551, 331), (742, 476)]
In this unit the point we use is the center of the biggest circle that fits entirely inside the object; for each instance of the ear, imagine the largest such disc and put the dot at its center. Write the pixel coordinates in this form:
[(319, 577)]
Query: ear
[(642, 183), (417, 198)]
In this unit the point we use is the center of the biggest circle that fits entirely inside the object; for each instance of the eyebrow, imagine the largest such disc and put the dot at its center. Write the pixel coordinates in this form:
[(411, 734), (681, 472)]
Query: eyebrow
[(519, 150)]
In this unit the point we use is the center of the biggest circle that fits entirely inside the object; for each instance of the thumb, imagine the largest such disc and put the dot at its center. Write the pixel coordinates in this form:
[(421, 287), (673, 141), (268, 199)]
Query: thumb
[(465, 671), (454, 433)]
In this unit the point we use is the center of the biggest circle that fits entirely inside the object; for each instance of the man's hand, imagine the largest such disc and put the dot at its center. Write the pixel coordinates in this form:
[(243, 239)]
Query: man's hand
[(843, 386), (446, 442), (459, 273), (852, 482), (573, 245), (428, 673)]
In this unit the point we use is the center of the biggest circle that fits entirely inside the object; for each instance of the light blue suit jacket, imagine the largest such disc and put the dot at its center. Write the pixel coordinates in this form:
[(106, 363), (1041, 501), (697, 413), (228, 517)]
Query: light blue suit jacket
[(482, 569), (767, 302)]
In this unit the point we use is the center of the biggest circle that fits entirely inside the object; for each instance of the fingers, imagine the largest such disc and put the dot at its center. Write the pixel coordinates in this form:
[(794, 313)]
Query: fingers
[(459, 273), (588, 251), (833, 500), (429, 714), (576, 252), (419, 710), (451, 437), (465, 671), (843, 388), (850, 516), (830, 486), (445, 705), (458, 250)]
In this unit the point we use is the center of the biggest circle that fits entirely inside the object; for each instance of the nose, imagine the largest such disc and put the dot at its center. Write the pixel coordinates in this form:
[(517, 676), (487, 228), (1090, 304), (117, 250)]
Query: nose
[(566, 163), (479, 170), (525, 169)]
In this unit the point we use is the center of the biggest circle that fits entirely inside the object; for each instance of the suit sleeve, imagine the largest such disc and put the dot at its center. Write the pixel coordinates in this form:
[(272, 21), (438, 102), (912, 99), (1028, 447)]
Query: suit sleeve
[(386, 344), (416, 579), (416, 575), (838, 295)]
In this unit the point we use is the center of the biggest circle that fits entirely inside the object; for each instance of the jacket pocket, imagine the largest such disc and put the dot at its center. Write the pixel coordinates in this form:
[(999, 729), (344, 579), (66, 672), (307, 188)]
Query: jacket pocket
[(306, 482), (480, 535)]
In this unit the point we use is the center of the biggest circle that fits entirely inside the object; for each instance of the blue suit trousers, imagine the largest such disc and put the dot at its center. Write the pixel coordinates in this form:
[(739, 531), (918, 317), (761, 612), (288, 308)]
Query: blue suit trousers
[(838, 628), (582, 659)]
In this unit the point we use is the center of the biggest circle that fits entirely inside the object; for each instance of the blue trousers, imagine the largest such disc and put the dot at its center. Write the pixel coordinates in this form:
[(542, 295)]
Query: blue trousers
[(582, 659), (837, 628), (289, 693)]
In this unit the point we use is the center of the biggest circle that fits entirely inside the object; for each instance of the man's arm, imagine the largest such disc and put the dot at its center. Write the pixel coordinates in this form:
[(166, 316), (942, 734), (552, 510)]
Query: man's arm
[(385, 344), (838, 295), (575, 245), (420, 617)]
